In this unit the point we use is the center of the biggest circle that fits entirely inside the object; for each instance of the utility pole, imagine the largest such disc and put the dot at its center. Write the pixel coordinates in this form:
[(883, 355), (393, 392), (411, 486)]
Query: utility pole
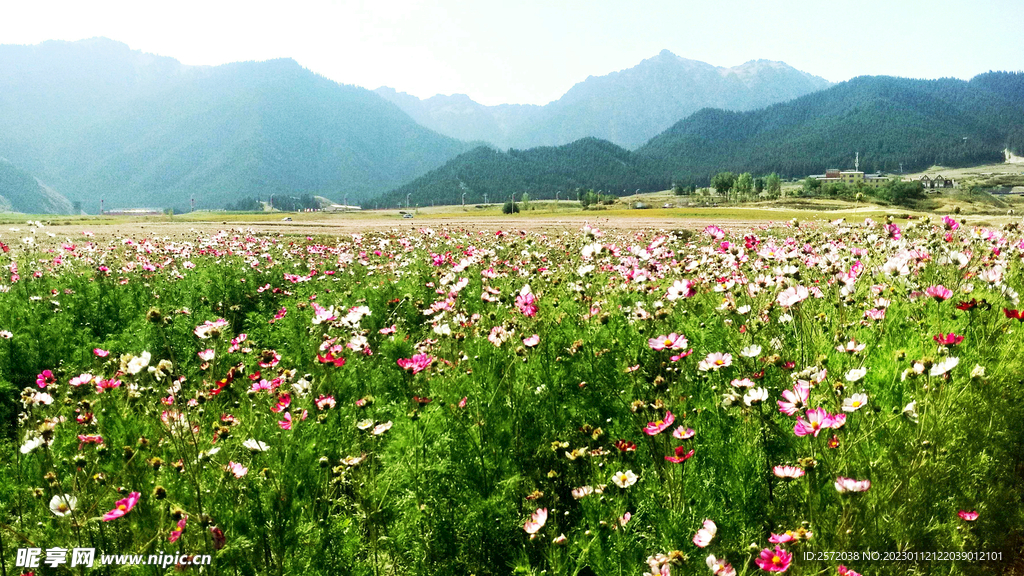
[(407, 200), (463, 200), (556, 199), (346, 202), (485, 197), (101, 206), (193, 204)]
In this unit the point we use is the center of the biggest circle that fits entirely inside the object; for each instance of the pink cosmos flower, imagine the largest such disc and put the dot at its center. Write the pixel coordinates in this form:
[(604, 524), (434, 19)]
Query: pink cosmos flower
[(80, 379), (206, 355), (531, 341), (788, 471), (237, 469), (715, 361), (681, 289), (84, 439), (416, 364), (844, 571), (100, 352), (939, 292), (950, 223), (527, 303), (968, 516), (683, 433), (719, 566), (795, 399), (774, 561), (844, 485), (286, 424), (681, 455), (381, 428), (389, 330), (793, 296), (672, 341), (681, 355), (177, 532), (781, 538), (659, 426), (893, 231), (537, 521), (817, 420), (704, 536), (122, 507), (324, 402)]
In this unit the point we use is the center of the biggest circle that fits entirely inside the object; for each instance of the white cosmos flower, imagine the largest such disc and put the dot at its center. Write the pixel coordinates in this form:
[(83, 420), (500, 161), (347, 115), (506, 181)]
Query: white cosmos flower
[(940, 368), (255, 445), (63, 505), (755, 395), (751, 351), (855, 402), (137, 363), (31, 443), (856, 374), (624, 479)]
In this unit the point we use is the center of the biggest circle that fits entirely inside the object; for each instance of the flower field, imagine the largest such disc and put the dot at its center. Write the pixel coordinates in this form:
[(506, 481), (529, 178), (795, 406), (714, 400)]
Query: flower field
[(813, 399)]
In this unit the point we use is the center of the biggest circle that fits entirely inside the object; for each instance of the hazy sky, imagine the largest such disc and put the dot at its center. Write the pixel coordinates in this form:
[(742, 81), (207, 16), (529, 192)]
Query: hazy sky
[(530, 51)]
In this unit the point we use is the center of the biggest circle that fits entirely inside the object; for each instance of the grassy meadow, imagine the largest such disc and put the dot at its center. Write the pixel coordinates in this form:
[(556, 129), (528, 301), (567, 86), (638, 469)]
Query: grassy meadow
[(430, 397)]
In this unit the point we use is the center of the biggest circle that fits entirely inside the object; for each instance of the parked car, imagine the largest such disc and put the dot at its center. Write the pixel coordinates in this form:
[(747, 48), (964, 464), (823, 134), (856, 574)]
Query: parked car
[(407, 215)]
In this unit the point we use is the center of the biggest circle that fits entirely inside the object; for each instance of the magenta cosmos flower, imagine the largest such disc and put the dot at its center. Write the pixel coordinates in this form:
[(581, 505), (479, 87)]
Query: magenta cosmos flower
[(177, 532), (844, 571), (774, 561), (950, 339), (681, 455), (122, 507), (417, 363), (968, 516), (45, 379), (672, 341), (659, 426)]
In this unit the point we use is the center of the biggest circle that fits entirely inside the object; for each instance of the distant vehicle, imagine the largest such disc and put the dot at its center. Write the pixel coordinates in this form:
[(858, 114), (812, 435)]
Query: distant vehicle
[(407, 215), (286, 219), (666, 205)]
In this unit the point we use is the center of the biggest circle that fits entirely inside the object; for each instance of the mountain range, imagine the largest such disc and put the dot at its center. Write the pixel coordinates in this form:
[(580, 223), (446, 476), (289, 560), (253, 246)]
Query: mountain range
[(93, 120), (97, 120), (893, 123), (627, 107)]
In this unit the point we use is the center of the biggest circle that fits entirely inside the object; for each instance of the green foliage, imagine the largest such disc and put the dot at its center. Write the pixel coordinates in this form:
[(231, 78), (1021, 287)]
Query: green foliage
[(723, 182), (890, 121), (384, 481), (510, 208), (540, 172)]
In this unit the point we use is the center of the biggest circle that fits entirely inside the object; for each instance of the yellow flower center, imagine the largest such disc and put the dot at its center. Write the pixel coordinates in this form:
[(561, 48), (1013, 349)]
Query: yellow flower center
[(856, 404), (776, 559), (668, 342), (122, 507), (719, 362)]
